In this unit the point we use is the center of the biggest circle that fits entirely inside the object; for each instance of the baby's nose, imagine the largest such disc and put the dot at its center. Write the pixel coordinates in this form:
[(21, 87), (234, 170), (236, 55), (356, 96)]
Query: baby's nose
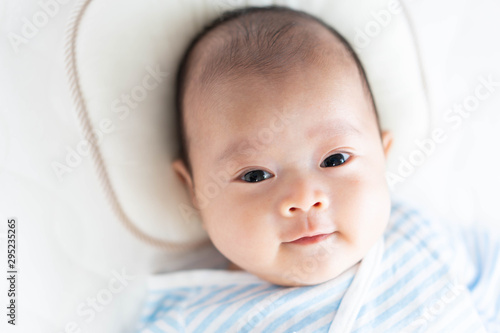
[(303, 202)]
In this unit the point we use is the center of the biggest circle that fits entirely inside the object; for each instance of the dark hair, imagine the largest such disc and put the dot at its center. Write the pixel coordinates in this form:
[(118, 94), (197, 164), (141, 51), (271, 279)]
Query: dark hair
[(270, 35)]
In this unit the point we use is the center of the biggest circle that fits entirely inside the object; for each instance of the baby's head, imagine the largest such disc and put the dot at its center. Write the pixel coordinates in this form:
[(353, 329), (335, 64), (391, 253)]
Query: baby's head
[(280, 141)]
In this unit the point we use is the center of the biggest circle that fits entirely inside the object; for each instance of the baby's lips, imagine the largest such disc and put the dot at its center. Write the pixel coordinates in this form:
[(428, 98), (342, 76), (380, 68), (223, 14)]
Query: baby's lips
[(310, 236), (312, 239)]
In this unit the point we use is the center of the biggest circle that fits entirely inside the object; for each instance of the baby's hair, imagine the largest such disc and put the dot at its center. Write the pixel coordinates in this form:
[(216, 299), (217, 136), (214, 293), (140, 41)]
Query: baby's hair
[(253, 40)]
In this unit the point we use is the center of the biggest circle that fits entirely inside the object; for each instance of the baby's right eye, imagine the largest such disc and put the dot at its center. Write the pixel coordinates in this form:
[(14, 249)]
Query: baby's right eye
[(255, 176)]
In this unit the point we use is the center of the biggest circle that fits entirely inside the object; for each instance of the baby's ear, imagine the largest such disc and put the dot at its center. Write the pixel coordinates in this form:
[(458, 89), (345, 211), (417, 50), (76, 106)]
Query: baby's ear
[(387, 139), (182, 172)]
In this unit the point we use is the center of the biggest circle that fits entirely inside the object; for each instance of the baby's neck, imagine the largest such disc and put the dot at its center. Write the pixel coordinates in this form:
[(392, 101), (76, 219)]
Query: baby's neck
[(233, 267)]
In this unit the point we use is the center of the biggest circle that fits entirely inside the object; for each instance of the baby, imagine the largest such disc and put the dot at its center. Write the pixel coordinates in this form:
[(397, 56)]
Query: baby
[(275, 105)]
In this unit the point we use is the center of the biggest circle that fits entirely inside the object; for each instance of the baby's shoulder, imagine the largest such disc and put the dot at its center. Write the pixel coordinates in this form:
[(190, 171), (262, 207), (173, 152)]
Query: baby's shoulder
[(179, 297)]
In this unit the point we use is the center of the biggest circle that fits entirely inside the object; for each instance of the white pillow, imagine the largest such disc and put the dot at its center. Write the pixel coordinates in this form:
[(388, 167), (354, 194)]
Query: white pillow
[(119, 50)]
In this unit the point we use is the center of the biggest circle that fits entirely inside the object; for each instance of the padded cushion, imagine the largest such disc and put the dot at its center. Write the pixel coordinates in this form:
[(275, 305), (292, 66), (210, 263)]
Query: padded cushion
[(127, 62)]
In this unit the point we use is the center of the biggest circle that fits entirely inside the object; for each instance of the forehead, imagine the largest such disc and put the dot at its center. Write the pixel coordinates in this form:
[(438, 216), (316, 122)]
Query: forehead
[(316, 99)]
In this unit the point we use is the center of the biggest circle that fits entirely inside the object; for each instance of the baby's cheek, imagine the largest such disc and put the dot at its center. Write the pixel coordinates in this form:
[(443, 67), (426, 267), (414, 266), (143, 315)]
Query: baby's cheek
[(237, 217), (362, 207)]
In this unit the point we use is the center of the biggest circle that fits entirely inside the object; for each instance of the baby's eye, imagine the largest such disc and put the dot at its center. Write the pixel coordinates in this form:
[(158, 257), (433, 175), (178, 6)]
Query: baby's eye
[(256, 176), (335, 159)]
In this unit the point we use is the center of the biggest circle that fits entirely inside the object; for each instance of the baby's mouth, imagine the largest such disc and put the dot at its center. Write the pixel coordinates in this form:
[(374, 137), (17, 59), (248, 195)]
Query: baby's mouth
[(311, 239)]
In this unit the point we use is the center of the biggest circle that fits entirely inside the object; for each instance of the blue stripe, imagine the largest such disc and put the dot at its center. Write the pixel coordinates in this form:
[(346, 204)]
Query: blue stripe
[(327, 310), (402, 261), (400, 221), (400, 241), (238, 314), (405, 300), (478, 265), (290, 313), (402, 237), (215, 313), (167, 320), (163, 300), (196, 312), (323, 329), (213, 293), (397, 286), (427, 304), (160, 304), (160, 310), (255, 320), (395, 206)]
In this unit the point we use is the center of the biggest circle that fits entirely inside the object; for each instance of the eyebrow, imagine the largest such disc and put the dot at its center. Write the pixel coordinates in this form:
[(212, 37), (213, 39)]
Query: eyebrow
[(326, 129)]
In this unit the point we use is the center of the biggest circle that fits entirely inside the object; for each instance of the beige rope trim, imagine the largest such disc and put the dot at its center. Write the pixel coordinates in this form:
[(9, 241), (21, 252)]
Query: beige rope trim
[(87, 133)]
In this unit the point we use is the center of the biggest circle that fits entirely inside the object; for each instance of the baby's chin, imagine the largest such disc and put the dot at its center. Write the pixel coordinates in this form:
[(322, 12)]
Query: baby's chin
[(289, 278), (307, 272), (296, 281)]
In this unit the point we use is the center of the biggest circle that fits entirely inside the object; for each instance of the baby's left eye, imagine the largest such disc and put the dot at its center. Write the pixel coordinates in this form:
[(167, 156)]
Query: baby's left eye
[(335, 160)]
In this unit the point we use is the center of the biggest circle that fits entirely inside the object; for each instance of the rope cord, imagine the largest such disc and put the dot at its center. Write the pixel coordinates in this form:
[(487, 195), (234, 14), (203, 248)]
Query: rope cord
[(83, 118)]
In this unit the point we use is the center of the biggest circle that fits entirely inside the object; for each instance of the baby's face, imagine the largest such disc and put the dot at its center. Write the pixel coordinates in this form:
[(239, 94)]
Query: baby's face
[(274, 161)]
